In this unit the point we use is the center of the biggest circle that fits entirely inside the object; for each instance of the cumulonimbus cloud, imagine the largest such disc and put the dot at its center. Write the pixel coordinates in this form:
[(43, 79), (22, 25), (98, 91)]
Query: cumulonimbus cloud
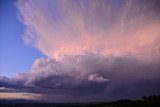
[(88, 77), (58, 28), (97, 50)]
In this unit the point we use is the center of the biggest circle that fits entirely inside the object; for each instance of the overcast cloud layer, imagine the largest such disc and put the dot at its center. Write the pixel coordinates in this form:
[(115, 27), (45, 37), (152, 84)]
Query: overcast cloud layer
[(97, 50)]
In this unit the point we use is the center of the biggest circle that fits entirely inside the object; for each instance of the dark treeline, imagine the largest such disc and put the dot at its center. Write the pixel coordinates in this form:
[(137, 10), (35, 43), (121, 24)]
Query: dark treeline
[(150, 101)]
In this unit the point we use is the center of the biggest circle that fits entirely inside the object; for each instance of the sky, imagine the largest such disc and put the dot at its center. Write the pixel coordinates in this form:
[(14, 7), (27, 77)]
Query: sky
[(79, 50), (15, 55)]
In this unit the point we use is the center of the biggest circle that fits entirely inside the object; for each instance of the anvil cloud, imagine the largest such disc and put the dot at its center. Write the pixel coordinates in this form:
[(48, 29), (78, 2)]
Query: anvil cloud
[(58, 28), (97, 50)]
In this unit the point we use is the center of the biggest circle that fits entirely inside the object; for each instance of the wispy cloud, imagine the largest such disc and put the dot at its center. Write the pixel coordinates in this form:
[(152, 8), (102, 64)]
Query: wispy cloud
[(69, 27)]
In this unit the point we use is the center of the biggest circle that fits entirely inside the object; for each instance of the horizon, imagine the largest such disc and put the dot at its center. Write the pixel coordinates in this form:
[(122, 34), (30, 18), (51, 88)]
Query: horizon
[(79, 50)]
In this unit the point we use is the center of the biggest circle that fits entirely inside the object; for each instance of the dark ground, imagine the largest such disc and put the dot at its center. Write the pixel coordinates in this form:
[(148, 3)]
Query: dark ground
[(150, 101)]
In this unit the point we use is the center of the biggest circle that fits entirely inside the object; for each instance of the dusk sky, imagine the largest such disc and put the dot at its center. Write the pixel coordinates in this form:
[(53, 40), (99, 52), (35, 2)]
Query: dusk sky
[(79, 50)]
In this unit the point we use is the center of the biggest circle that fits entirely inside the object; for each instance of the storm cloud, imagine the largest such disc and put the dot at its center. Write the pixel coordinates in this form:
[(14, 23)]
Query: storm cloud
[(89, 77), (96, 50), (67, 27)]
